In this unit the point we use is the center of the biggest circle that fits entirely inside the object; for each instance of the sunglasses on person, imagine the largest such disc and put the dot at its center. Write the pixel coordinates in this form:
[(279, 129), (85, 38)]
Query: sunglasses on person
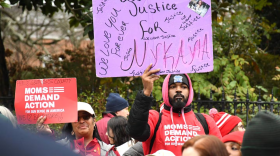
[(85, 116)]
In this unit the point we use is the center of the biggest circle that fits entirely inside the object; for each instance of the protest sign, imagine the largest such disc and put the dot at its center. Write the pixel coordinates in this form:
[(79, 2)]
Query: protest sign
[(55, 98), (175, 36)]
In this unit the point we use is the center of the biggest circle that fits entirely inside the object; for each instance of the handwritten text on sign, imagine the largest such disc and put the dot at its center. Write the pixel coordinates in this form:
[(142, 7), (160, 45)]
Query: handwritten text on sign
[(172, 35), (54, 98)]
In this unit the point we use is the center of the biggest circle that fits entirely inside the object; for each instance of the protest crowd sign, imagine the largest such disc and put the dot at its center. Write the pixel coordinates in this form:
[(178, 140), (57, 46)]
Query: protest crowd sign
[(175, 36), (54, 98)]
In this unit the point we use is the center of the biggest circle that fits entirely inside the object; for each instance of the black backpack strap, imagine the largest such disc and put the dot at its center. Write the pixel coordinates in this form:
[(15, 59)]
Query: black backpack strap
[(203, 122), (155, 132)]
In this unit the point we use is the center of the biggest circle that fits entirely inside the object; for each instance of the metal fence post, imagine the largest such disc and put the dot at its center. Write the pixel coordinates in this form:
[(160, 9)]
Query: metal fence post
[(247, 107), (210, 100), (198, 99), (234, 102), (223, 100), (271, 102), (259, 101)]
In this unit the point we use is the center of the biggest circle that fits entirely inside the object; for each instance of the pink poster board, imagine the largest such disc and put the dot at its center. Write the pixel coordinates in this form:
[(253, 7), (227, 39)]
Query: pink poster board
[(175, 36)]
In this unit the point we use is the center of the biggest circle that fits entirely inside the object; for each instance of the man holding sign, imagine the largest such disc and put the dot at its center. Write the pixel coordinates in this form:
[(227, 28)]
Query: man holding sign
[(176, 123)]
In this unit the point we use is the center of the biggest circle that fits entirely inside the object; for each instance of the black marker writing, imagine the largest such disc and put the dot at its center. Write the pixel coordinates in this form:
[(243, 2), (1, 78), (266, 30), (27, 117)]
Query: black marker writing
[(150, 30), (151, 8), (201, 67), (104, 66), (112, 20)]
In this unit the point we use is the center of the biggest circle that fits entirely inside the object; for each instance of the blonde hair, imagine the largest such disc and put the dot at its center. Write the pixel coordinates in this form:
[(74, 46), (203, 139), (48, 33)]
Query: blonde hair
[(6, 112)]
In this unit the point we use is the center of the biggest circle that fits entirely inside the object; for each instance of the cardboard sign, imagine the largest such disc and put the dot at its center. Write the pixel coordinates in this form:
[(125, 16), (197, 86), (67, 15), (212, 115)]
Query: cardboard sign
[(175, 36), (54, 98)]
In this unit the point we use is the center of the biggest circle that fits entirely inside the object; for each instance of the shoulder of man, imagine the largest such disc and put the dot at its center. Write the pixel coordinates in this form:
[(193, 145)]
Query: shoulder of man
[(153, 117)]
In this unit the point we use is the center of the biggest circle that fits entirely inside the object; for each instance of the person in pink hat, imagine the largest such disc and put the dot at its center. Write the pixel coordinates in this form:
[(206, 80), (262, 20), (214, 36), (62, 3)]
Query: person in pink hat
[(176, 123), (226, 123), (233, 142)]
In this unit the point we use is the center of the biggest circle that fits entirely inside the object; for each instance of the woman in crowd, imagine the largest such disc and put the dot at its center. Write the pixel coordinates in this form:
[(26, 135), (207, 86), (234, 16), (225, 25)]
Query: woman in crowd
[(204, 145), (117, 134), (6, 112), (233, 143), (226, 123), (82, 136)]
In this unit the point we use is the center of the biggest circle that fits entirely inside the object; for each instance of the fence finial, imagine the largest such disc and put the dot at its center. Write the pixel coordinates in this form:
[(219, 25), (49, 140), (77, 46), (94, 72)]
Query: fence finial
[(234, 95), (127, 96), (259, 98), (272, 96), (211, 94), (223, 94), (247, 95), (198, 95)]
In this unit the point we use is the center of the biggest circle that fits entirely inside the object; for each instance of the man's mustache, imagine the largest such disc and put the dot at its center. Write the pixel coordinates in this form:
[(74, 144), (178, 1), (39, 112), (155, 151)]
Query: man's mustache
[(179, 95)]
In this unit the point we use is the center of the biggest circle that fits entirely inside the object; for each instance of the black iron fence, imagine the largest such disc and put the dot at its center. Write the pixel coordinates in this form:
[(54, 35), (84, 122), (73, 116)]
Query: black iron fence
[(245, 108)]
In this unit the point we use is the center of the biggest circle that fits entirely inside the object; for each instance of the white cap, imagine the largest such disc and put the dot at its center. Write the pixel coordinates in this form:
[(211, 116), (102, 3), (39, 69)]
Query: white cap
[(162, 153), (82, 106)]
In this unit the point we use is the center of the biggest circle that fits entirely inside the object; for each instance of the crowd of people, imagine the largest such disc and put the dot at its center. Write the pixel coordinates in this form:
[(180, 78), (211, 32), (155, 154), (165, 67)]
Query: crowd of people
[(174, 131)]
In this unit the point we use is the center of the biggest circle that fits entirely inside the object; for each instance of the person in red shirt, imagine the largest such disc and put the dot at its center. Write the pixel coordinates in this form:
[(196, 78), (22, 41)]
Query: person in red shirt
[(178, 122), (115, 106)]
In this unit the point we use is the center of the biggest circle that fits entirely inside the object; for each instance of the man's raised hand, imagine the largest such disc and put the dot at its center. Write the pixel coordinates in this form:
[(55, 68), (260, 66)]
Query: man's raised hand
[(148, 79)]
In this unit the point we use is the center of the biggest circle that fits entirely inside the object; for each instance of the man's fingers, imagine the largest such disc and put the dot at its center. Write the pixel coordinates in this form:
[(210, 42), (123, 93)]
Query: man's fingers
[(148, 68), (153, 71), (154, 78)]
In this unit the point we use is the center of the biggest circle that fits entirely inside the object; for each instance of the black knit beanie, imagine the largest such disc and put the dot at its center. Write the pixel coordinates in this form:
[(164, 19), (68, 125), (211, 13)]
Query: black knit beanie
[(262, 136), (178, 78), (115, 103)]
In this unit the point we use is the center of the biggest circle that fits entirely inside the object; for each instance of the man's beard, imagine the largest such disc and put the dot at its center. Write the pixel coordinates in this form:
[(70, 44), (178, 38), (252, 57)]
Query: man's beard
[(178, 104)]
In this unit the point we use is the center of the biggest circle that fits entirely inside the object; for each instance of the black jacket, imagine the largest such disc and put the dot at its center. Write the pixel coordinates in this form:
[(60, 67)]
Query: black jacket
[(138, 127)]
